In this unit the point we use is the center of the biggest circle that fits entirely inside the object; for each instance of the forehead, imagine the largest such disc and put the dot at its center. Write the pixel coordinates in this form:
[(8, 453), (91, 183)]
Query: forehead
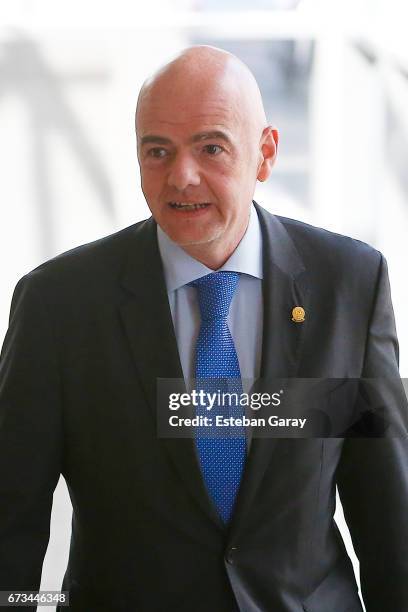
[(182, 110)]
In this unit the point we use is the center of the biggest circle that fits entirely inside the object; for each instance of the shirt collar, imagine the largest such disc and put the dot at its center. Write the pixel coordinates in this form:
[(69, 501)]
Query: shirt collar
[(181, 269)]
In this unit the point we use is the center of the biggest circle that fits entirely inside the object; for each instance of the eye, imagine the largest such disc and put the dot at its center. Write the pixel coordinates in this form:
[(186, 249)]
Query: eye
[(157, 152), (213, 149)]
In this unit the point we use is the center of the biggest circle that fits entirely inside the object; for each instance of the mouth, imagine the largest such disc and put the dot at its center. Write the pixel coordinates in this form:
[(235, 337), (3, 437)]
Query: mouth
[(188, 206)]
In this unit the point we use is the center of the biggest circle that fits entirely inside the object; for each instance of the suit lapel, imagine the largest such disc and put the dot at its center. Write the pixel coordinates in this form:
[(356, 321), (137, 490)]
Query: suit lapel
[(147, 320), (284, 287), (149, 328)]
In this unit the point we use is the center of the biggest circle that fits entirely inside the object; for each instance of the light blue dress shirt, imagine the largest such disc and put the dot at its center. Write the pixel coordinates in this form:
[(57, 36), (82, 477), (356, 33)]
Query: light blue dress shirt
[(246, 312)]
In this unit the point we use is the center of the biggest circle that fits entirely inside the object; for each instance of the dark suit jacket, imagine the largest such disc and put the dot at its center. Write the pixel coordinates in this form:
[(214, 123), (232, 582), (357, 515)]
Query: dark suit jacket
[(90, 332)]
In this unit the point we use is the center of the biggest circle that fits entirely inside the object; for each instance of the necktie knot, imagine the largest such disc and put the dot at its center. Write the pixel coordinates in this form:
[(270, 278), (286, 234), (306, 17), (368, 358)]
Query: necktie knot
[(215, 293)]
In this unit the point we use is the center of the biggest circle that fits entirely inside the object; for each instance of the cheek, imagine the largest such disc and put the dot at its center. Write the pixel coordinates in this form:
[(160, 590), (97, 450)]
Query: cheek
[(225, 179), (151, 181), (235, 184)]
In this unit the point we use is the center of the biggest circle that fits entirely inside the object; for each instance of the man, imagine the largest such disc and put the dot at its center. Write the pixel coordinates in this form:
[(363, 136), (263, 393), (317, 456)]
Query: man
[(93, 330)]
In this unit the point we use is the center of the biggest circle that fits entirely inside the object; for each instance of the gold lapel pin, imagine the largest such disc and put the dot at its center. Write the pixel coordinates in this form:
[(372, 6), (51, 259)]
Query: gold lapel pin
[(298, 314)]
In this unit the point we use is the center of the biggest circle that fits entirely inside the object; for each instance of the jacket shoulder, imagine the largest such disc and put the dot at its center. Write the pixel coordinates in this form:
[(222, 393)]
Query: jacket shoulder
[(89, 260), (329, 247), (86, 274)]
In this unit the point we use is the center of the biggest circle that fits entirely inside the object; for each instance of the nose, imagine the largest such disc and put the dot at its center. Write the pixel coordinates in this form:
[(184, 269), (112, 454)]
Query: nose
[(184, 172)]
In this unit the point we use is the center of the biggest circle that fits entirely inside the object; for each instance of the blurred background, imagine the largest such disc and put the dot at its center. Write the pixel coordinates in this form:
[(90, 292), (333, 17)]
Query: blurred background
[(334, 77)]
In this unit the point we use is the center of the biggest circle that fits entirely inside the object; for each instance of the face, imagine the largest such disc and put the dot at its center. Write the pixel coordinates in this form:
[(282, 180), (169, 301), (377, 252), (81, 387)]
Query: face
[(199, 161)]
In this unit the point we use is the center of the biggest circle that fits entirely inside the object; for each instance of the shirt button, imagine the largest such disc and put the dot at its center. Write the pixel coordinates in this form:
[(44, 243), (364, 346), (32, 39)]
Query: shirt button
[(231, 555)]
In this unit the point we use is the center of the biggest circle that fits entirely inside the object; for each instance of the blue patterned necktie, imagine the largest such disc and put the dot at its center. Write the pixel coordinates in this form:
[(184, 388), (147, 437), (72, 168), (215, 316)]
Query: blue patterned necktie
[(221, 455)]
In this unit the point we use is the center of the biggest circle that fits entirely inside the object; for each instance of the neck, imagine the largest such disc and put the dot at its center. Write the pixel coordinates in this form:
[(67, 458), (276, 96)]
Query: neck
[(213, 258), (214, 254)]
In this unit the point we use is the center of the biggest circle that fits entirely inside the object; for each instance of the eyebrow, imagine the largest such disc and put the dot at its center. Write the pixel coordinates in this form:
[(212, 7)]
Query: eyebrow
[(156, 139), (212, 135)]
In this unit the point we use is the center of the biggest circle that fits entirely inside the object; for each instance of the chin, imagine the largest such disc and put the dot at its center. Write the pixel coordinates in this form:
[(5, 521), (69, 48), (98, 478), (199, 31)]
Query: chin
[(194, 238), (189, 240)]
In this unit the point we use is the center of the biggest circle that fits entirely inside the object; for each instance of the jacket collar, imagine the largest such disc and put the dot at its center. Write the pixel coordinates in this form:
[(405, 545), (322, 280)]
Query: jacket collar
[(147, 319)]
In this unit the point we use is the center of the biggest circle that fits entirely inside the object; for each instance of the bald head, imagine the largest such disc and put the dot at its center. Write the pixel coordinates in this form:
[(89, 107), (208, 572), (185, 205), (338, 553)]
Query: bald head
[(202, 143), (205, 71)]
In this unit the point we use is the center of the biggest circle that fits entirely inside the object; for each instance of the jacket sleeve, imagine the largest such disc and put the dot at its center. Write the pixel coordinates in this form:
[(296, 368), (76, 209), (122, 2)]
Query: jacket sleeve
[(30, 438), (372, 475)]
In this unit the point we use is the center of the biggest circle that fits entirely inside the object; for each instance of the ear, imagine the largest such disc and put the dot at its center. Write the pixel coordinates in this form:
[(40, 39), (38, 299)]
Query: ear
[(268, 151)]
